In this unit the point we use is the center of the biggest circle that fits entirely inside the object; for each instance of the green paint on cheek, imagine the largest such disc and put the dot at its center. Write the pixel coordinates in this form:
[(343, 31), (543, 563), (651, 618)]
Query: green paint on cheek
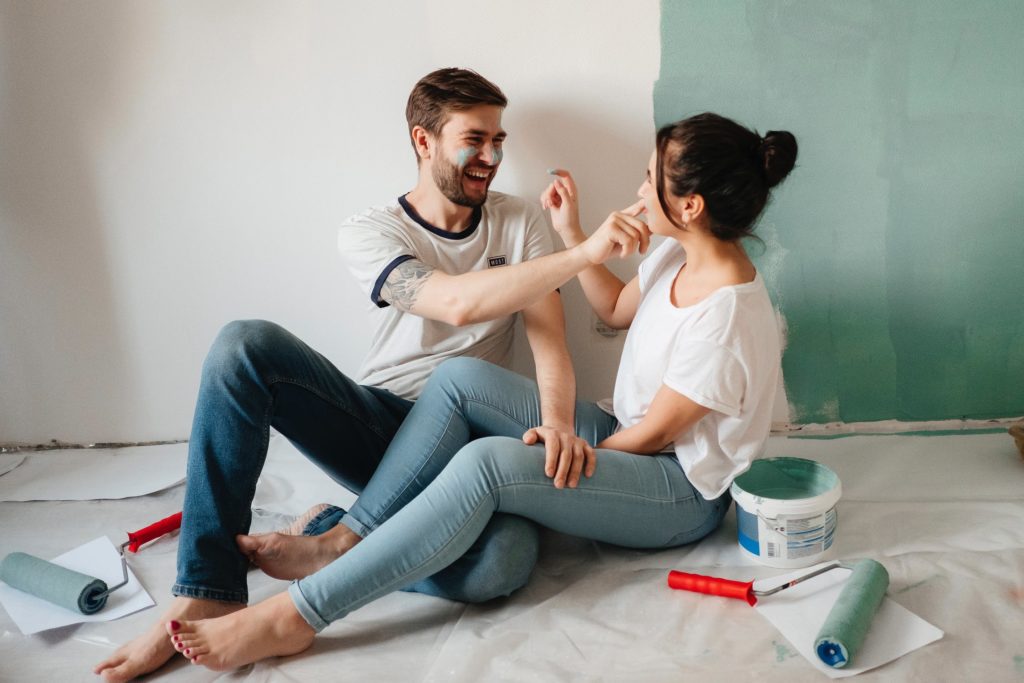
[(497, 156), (1018, 663), (464, 155)]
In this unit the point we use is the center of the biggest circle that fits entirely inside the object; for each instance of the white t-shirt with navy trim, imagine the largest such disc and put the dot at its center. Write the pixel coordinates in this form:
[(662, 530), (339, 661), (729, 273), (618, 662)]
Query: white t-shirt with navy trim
[(724, 352), (406, 348)]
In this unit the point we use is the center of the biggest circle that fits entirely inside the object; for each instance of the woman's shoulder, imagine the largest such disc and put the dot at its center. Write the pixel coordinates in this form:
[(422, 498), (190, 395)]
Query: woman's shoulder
[(661, 259), (734, 310)]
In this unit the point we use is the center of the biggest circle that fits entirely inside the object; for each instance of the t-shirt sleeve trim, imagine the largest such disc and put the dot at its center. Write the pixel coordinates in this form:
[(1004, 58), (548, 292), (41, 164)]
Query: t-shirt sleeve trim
[(697, 397), (382, 278)]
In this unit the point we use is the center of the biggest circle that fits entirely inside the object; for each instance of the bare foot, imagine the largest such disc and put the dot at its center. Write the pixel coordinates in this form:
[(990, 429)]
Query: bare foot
[(149, 651), (272, 628), (294, 557), (299, 523)]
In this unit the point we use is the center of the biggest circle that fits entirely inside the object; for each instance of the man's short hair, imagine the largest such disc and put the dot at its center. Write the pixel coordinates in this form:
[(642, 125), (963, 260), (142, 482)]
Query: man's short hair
[(441, 92)]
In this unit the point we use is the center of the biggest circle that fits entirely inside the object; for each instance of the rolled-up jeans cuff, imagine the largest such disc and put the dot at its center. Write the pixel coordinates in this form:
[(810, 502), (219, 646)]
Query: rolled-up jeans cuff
[(200, 593), (307, 611), (356, 526), (324, 521)]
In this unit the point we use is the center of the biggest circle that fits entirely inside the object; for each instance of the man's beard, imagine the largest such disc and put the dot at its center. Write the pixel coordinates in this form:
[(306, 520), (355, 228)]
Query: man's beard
[(448, 178)]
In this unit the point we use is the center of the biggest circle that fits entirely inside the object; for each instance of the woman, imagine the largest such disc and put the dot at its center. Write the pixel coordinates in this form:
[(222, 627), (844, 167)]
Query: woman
[(692, 406)]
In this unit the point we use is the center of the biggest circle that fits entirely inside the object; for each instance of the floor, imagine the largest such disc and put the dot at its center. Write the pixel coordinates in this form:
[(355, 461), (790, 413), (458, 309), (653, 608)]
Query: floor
[(944, 514)]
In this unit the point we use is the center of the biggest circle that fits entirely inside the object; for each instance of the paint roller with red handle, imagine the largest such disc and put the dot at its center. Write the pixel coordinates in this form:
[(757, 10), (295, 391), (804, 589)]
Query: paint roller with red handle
[(847, 623), (70, 589)]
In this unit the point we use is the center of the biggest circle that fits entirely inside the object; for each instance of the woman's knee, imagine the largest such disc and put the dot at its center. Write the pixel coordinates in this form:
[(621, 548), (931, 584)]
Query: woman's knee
[(485, 454), (454, 374)]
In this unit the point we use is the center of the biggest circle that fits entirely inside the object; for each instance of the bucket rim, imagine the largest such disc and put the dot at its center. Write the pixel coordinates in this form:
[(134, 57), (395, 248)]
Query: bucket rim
[(826, 499)]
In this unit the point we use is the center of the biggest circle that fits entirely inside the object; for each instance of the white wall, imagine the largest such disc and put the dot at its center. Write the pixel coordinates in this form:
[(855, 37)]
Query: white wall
[(166, 167)]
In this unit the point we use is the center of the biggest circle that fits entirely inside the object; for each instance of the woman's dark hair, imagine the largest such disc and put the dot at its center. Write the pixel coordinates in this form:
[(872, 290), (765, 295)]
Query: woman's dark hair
[(731, 167)]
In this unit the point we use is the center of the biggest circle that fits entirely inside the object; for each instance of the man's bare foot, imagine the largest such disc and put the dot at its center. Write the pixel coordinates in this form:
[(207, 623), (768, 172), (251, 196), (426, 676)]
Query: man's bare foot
[(272, 628), (294, 557), (149, 651), (298, 525)]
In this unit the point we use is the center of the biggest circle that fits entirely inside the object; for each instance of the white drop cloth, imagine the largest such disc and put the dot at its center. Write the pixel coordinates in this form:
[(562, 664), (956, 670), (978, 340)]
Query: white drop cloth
[(945, 514)]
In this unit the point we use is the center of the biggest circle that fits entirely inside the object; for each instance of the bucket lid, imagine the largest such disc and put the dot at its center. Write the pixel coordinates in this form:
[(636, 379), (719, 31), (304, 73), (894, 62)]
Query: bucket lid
[(788, 485)]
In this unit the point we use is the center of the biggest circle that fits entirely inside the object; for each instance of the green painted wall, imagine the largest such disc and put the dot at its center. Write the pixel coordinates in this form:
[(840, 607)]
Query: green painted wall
[(895, 249)]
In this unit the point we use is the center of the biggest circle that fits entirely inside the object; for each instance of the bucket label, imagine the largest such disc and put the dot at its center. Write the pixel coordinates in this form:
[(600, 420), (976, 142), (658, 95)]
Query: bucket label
[(786, 537)]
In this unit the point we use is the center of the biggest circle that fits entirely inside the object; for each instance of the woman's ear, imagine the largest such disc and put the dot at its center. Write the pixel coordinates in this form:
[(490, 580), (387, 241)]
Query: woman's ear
[(690, 208)]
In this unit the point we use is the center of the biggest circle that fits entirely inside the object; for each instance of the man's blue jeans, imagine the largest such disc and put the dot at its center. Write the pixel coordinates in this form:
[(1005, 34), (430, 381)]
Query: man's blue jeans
[(639, 501), (256, 376)]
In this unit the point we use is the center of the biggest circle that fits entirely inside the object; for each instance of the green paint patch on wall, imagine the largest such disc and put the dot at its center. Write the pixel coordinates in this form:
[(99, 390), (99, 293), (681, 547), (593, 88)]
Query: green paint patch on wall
[(895, 248)]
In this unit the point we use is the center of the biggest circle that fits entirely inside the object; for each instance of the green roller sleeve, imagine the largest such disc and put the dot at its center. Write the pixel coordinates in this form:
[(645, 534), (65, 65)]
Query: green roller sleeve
[(847, 624), (61, 586)]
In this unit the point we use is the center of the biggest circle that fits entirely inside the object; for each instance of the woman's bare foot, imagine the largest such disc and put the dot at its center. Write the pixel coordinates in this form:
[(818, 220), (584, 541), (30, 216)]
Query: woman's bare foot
[(272, 628), (294, 557), (298, 525), (149, 651)]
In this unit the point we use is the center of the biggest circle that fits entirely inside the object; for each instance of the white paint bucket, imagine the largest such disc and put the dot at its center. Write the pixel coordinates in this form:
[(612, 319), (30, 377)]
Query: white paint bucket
[(786, 511)]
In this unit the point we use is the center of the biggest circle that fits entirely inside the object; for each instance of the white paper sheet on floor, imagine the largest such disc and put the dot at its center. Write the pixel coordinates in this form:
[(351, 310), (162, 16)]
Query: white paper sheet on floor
[(97, 558), (95, 474)]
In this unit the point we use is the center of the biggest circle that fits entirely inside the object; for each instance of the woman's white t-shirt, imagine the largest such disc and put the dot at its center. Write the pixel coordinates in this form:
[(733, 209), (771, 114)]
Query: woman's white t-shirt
[(722, 352)]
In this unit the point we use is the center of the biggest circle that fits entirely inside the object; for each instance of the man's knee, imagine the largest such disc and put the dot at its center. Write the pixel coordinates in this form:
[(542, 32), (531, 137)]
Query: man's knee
[(241, 342)]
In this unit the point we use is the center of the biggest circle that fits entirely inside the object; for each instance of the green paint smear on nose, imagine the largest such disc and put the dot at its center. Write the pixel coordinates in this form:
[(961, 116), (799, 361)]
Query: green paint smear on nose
[(464, 155)]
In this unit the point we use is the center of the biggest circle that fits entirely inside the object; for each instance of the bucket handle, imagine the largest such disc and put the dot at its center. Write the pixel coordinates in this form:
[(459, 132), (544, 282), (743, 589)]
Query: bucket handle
[(771, 522)]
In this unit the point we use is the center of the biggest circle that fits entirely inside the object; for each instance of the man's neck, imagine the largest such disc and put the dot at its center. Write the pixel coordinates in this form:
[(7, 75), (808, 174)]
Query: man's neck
[(438, 210)]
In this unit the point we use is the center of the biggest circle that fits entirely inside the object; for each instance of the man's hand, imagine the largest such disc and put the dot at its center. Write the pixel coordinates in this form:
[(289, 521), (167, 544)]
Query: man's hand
[(566, 455), (623, 233)]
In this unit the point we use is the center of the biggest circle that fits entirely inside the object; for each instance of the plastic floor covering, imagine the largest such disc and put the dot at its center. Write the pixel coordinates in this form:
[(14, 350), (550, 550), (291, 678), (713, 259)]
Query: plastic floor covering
[(944, 514)]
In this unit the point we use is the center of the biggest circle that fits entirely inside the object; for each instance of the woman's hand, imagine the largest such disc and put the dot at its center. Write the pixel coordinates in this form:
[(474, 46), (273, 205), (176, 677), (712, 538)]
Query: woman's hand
[(561, 199), (622, 234), (566, 455)]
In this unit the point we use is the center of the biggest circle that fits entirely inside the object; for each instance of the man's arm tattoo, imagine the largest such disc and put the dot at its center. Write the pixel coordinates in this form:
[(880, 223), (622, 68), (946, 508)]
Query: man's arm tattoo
[(404, 283)]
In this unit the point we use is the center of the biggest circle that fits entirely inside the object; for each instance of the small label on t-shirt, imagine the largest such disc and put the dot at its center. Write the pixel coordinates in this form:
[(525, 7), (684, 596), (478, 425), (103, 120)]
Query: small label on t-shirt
[(494, 261)]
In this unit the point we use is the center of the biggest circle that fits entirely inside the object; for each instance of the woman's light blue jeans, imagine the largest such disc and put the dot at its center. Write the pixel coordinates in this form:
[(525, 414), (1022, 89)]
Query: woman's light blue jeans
[(637, 501), (258, 375)]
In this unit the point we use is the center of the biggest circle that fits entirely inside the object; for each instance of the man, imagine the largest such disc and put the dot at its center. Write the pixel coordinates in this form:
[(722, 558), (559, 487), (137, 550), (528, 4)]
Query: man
[(446, 265)]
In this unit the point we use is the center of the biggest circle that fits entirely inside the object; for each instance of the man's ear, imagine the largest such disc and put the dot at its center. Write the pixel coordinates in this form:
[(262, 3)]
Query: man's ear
[(423, 141)]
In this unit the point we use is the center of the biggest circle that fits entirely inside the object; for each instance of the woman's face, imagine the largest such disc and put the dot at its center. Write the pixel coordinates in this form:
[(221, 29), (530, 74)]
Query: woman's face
[(657, 221), (686, 209)]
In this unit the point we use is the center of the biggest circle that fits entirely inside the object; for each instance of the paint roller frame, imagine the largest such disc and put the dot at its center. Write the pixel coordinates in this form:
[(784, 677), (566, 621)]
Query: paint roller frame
[(136, 539)]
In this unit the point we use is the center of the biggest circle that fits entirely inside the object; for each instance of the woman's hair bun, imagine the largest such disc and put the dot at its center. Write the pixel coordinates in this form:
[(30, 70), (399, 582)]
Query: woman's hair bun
[(778, 155)]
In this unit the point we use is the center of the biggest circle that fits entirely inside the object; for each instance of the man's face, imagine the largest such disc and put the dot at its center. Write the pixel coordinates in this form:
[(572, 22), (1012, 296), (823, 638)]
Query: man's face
[(468, 154)]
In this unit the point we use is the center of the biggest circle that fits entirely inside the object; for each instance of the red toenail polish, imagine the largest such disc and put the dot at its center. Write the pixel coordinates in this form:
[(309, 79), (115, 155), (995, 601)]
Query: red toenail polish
[(188, 650), (175, 626)]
